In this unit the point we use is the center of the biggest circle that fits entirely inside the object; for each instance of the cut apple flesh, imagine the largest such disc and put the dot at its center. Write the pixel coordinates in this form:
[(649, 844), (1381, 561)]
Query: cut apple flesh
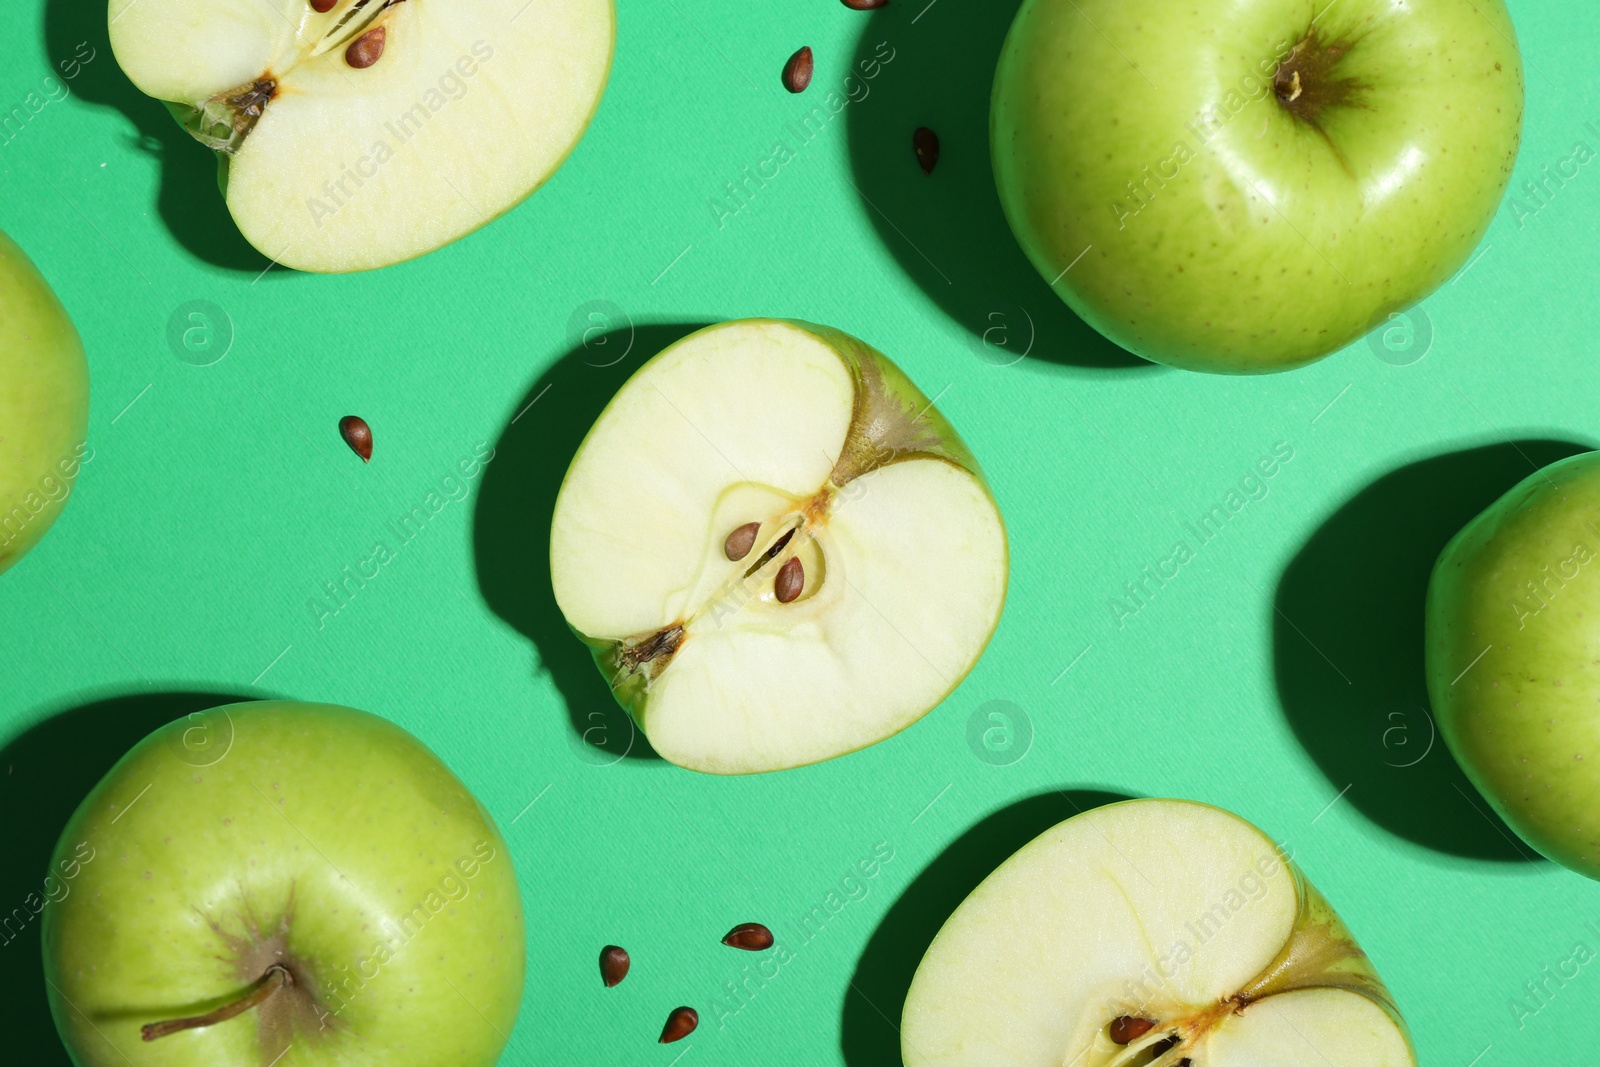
[(379, 129), (777, 548), (1151, 932)]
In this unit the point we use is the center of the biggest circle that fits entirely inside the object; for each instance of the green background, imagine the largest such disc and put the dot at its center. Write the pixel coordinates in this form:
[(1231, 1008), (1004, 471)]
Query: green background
[(1278, 674)]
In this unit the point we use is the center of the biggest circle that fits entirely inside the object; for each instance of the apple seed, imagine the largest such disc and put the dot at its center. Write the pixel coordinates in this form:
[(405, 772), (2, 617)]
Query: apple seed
[(797, 72), (355, 431), (322, 7), (680, 1024), (741, 541), (752, 937), (366, 49), (1126, 1029), (791, 579), (925, 143), (865, 5), (614, 965)]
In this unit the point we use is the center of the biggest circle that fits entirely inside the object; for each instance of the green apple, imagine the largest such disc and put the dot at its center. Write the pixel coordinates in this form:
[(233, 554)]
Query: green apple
[(777, 549), (1150, 933), (44, 404), (1513, 622), (282, 884), (353, 134), (1248, 187)]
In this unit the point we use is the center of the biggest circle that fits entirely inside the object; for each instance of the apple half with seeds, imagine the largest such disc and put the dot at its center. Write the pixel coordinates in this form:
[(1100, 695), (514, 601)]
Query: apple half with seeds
[(1150, 933), (776, 548), (353, 134)]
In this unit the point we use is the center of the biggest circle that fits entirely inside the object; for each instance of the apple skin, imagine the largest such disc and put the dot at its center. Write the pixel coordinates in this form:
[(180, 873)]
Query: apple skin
[(44, 404), (1513, 625), (1217, 230), (298, 833)]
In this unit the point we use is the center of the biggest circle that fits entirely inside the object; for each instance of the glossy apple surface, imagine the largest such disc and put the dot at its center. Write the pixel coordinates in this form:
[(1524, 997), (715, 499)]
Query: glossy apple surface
[(1250, 186), (1513, 653), (319, 838), (44, 404)]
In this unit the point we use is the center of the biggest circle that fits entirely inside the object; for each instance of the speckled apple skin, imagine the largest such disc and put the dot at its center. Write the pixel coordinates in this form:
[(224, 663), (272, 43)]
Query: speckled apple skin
[(323, 834), (1513, 658)]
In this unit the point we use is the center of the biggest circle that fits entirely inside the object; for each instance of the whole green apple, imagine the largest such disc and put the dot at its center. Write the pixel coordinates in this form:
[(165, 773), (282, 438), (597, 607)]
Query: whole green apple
[(286, 884), (1513, 624), (44, 404), (1247, 187)]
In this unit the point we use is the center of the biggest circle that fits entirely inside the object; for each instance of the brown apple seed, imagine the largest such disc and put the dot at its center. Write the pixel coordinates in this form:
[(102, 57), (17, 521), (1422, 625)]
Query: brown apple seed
[(358, 435), (791, 579), (680, 1024), (365, 50), (322, 7), (752, 937), (1126, 1029), (797, 72), (614, 964), (741, 541), (925, 143)]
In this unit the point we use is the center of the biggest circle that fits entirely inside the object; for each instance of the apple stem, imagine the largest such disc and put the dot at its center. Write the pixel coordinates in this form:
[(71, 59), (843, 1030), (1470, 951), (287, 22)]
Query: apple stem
[(276, 977)]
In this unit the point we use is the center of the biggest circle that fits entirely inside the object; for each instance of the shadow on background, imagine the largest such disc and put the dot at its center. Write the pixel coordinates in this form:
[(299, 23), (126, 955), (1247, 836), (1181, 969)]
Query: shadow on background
[(511, 526), (44, 774), (947, 229), (877, 992), (1348, 646), (190, 203)]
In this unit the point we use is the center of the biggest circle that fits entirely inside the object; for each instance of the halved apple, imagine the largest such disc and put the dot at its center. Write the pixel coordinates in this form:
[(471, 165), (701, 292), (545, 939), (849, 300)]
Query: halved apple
[(778, 551), (1151, 933), (357, 133)]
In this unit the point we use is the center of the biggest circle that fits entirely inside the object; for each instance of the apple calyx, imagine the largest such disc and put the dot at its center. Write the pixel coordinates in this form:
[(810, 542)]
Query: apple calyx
[(223, 121), (276, 977), (1307, 82), (1320, 953)]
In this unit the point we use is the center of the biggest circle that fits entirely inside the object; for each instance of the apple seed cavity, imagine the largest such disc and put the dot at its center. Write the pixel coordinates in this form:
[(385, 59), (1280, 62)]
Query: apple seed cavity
[(752, 937), (797, 72), (741, 541), (680, 1024), (614, 963), (366, 49), (790, 581), (1127, 1028)]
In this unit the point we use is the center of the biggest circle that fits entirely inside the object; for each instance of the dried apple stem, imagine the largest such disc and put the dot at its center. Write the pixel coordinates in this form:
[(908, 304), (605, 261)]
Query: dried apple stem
[(276, 977)]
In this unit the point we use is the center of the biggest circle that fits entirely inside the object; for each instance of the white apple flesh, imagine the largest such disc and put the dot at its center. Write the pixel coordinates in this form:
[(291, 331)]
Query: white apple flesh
[(869, 586), (1150, 933), (377, 130)]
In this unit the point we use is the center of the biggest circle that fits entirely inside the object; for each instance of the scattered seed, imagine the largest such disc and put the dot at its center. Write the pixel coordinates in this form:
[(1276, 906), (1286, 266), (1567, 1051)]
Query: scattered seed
[(741, 541), (925, 143), (614, 965), (865, 5), (358, 435), (1126, 1029), (791, 579), (680, 1024), (797, 72), (365, 50), (752, 937), (322, 7)]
